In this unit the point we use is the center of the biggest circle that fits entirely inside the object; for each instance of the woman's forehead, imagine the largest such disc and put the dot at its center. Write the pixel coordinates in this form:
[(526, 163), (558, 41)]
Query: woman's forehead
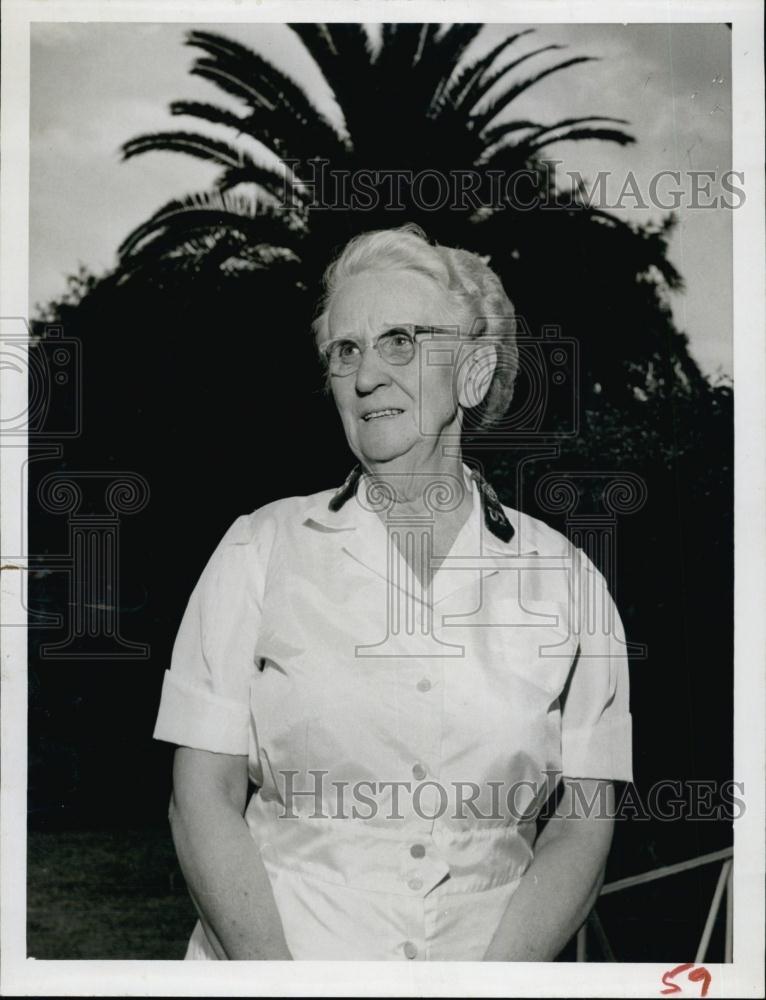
[(374, 300)]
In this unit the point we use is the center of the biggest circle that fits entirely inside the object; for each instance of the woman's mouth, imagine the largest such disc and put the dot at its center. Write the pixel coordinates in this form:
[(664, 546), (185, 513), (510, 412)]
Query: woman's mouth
[(377, 414)]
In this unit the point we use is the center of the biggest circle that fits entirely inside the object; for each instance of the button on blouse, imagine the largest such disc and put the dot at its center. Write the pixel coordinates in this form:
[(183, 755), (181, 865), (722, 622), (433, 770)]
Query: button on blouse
[(399, 768)]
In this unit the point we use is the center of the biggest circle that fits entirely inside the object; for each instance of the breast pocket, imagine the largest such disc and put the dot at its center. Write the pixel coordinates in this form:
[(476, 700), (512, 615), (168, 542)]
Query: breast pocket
[(531, 640)]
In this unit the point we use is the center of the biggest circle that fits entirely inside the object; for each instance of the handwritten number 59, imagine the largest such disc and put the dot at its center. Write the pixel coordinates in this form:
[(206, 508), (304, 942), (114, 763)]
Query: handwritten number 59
[(696, 975)]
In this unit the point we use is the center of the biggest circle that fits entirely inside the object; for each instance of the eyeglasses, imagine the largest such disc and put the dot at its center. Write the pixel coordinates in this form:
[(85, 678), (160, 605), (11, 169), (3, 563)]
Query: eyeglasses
[(396, 347)]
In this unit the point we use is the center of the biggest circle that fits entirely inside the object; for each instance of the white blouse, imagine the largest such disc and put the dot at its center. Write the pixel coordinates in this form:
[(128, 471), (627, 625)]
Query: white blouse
[(403, 740)]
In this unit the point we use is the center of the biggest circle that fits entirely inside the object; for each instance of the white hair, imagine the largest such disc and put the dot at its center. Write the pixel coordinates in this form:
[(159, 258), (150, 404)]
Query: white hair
[(474, 295)]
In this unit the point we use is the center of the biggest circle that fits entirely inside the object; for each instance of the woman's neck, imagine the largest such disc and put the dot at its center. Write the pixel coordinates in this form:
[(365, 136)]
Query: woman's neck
[(437, 486)]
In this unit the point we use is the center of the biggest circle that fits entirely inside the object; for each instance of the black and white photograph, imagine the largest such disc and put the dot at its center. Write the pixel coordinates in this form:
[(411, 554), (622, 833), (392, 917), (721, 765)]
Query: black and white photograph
[(383, 484)]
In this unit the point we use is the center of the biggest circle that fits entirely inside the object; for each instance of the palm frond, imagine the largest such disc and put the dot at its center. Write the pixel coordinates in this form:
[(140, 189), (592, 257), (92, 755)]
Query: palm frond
[(326, 43), (203, 250), (212, 210), (388, 33), (238, 166), (494, 135), (263, 126), (453, 42), (282, 189), (542, 135), (414, 70), (237, 59), (483, 117), (296, 138), (192, 143), (400, 46), (604, 134), (481, 87), (252, 79), (452, 92), (344, 55), (426, 38), (431, 70), (212, 113)]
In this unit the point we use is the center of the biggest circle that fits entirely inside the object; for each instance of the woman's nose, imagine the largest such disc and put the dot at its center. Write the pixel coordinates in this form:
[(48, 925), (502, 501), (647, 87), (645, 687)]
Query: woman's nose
[(372, 371)]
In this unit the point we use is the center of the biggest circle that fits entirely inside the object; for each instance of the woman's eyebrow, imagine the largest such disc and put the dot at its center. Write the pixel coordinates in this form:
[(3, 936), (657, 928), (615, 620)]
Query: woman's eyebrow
[(439, 329), (339, 340)]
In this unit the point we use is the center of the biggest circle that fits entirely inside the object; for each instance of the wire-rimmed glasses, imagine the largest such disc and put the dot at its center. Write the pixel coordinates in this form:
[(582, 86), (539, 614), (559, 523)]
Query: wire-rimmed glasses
[(396, 346)]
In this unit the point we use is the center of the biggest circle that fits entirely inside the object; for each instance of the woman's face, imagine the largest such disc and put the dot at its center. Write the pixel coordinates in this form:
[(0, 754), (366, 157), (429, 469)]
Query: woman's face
[(394, 413)]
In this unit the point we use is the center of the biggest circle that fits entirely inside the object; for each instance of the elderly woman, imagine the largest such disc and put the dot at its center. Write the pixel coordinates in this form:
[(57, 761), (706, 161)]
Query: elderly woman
[(408, 672)]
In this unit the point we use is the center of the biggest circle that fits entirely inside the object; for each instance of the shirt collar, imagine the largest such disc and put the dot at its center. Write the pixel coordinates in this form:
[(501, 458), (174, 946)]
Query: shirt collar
[(479, 550), (495, 519), (500, 534)]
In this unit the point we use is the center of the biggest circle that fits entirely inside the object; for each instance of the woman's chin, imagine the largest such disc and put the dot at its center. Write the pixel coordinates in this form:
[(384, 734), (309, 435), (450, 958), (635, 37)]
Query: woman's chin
[(381, 454), (383, 447)]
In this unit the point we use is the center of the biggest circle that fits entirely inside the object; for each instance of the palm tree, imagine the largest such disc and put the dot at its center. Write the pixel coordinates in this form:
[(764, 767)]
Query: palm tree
[(410, 105)]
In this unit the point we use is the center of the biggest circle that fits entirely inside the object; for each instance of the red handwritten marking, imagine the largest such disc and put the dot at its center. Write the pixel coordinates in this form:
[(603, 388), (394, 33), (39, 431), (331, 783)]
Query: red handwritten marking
[(674, 987), (704, 975), (699, 974)]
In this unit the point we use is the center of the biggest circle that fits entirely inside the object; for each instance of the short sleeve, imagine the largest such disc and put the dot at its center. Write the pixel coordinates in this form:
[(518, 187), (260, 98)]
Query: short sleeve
[(205, 701), (596, 727)]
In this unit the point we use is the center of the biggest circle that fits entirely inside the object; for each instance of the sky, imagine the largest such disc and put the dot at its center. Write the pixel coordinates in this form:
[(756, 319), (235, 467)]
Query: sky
[(96, 85)]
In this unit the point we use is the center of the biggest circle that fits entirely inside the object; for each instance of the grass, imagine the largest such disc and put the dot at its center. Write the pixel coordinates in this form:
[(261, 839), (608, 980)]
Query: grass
[(106, 895), (119, 894)]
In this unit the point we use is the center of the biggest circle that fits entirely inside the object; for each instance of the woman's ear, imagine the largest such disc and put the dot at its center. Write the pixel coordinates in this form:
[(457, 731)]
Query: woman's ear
[(475, 373)]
